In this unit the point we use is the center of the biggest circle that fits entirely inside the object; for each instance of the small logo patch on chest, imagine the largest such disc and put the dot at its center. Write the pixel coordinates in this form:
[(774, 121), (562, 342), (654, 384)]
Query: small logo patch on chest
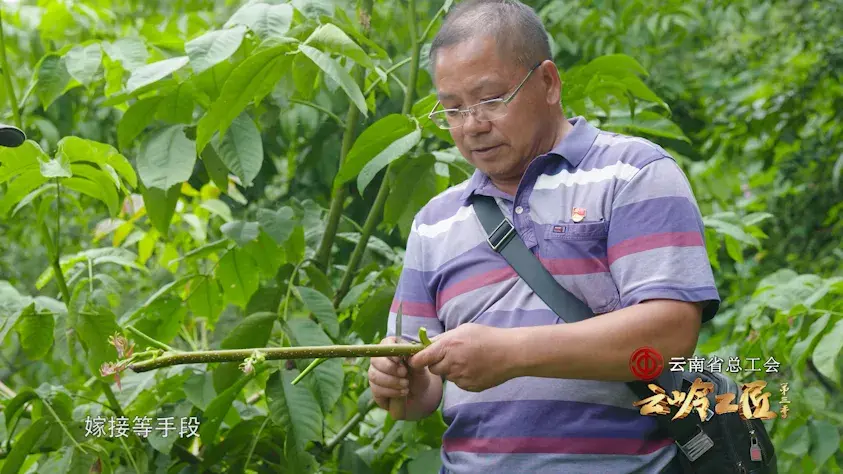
[(577, 214)]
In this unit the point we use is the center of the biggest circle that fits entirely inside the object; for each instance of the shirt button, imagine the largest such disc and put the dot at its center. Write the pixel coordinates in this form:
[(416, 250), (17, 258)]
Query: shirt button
[(519, 210)]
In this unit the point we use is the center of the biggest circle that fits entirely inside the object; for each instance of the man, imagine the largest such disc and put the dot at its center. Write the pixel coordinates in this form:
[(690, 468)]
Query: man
[(613, 219)]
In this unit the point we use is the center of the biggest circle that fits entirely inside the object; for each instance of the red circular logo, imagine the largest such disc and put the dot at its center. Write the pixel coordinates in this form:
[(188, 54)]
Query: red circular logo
[(646, 363)]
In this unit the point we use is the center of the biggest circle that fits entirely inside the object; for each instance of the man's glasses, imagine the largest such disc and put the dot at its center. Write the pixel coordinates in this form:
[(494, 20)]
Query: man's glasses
[(484, 111)]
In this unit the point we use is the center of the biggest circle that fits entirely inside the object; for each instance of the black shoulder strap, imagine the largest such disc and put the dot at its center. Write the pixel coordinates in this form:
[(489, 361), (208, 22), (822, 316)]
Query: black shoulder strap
[(503, 239)]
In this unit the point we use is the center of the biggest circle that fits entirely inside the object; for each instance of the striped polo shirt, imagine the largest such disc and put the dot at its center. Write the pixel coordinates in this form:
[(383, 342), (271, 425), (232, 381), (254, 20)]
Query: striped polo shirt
[(641, 237)]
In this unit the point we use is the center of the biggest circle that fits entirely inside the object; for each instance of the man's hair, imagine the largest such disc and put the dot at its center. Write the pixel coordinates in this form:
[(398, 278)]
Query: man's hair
[(516, 28)]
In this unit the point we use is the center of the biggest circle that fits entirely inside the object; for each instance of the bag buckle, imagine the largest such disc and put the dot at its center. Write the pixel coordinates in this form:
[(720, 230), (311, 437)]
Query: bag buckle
[(501, 235), (696, 446)]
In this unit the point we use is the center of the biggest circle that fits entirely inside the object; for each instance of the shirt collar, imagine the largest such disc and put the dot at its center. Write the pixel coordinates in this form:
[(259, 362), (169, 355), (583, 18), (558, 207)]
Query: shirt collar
[(573, 148)]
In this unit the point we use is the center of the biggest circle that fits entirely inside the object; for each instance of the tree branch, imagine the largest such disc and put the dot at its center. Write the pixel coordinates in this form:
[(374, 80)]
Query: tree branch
[(276, 353), (376, 211)]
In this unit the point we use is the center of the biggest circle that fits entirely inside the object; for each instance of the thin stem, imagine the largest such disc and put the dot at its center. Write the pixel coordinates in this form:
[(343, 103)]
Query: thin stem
[(426, 32), (63, 427), (255, 442), (112, 400), (323, 253), (149, 340), (386, 74), (290, 287), (319, 108), (383, 192), (7, 78), (368, 228), (277, 353), (59, 274), (343, 432), (129, 453)]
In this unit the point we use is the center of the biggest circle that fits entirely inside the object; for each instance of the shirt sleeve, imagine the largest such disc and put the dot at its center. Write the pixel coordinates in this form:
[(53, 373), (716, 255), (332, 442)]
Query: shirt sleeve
[(656, 242), (413, 294)]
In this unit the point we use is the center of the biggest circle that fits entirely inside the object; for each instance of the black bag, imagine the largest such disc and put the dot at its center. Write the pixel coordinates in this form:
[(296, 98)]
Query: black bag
[(721, 444)]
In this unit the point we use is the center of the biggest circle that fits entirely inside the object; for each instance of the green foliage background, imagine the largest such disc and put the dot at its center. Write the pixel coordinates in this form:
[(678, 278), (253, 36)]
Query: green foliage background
[(233, 175)]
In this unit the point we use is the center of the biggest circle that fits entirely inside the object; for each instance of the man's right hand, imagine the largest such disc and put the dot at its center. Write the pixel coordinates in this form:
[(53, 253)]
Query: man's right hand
[(389, 378)]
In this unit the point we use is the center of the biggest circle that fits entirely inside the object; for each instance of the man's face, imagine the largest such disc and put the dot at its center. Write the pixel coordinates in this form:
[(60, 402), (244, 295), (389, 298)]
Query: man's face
[(474, 71)]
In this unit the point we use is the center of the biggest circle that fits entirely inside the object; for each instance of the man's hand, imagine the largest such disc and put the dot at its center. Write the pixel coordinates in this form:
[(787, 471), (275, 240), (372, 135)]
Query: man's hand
[(473, 356), (388, 378)]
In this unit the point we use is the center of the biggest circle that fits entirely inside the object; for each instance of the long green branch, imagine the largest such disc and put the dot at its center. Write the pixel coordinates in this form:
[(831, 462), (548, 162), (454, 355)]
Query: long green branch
[(7, 78), (323, 253), (376, 211), (276, 353)]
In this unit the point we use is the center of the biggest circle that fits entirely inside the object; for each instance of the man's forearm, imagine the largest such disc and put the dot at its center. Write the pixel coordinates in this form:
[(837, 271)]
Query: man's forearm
[(427, 402), (599, 348)]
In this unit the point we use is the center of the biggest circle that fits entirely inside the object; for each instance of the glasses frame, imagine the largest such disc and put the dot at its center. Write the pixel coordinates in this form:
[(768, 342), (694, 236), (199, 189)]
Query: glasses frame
[(471, 109)]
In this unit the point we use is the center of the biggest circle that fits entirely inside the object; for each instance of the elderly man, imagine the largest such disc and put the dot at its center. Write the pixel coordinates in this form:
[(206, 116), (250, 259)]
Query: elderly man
[(611, 217)]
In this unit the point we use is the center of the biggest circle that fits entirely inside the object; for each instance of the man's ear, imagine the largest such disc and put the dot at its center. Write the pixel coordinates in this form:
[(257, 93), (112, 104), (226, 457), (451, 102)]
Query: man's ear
[(551, 81)]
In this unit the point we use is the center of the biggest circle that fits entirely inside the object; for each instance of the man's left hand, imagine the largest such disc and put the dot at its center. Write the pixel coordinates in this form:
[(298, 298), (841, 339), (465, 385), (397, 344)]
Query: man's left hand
[(473, 356)]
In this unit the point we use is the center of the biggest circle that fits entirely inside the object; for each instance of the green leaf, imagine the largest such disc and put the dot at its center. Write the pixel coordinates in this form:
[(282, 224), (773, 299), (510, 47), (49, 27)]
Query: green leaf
[(376, 139), (213, 47), (252, 332), (293, 408), (52, 79), (20, 187), (199, 390), (241, 149), (136, 118), (177, 106), (732, 230), (78, 149), (327, 378), (370, 320), (321, 307), (649, 123), (163, 441), (82, 62), (167, 158), (238, 275), (24, 445), (16, 161), (129, 51), (215, 167), (60, 461), (93, 326), (330, 38), (827, 352), (240, 232), (265, 20), (428, 461), (267, 254), (36, 333), (206, 299), (402, 189), (637, 87), (252, 79), (338, 74), (56, 168), (154, 72), (800, 351), (217, 410), (296, 245), (160, 206), (395, 150), (614, 64), (278, 224), (826, 441)]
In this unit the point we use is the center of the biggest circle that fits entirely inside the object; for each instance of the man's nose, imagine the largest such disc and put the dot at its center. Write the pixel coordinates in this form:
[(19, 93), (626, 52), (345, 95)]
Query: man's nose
[(473, 126)]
